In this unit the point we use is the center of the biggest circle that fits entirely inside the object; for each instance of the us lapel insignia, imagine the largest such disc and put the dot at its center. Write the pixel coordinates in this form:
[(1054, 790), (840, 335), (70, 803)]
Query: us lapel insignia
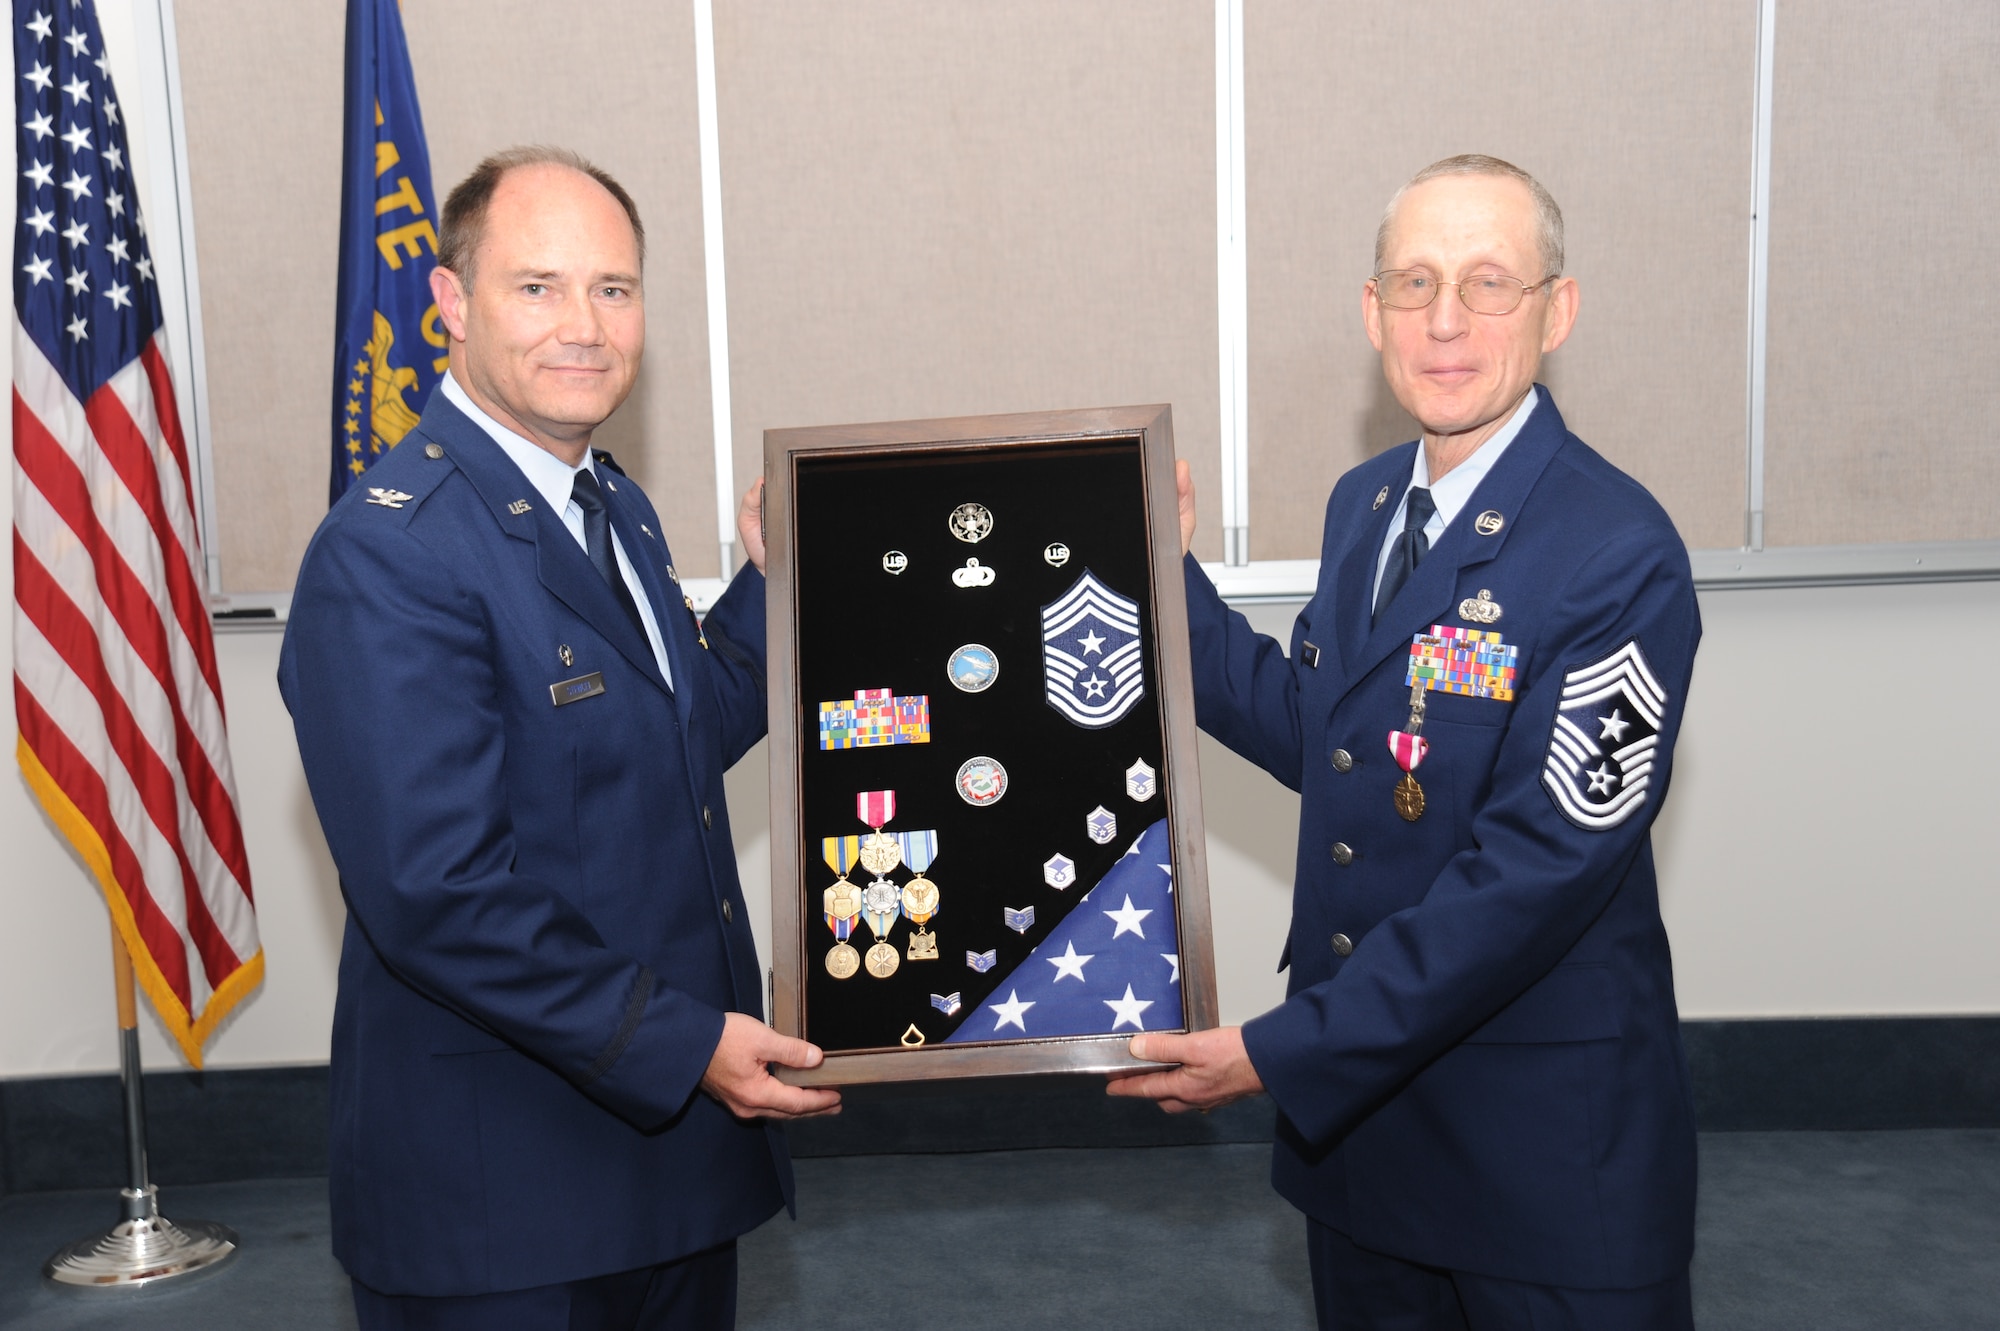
[(1381, 498), (1489, 522), (518, 507), (388, 498), (1480, 609)]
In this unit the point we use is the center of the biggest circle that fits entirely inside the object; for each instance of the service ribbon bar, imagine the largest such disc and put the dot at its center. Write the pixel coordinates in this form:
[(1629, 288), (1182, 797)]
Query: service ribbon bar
[(1473, 662), (874, 719)]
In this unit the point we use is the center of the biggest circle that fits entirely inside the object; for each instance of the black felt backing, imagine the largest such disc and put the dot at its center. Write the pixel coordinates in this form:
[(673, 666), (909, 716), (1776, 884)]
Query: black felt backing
[(861, 627)]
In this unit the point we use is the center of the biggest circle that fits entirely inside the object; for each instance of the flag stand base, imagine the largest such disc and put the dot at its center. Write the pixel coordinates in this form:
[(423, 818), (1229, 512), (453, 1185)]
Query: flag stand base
[(145, 1248)]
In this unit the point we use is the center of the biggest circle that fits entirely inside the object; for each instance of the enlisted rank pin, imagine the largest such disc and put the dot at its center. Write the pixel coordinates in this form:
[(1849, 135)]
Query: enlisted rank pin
[(913, 1037), (1381, 498), (387, 498), (1480, 609), (948, 1003), (1102, 825), (982, 961), (1020, 921), (519, 506), (1489, 522), (1141, 781), (1059, 872)]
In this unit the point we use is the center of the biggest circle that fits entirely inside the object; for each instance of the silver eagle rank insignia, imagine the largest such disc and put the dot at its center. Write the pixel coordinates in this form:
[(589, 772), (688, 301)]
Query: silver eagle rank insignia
[(388, 498)]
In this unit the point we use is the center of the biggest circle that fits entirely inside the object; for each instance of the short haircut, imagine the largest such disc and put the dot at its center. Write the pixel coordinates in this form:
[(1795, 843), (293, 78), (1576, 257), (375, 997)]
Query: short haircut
[(1548, 217), (464, 220)]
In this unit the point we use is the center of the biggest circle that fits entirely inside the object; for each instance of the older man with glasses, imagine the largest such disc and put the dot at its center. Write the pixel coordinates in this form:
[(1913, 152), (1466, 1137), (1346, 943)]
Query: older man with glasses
[(1483, 1101)]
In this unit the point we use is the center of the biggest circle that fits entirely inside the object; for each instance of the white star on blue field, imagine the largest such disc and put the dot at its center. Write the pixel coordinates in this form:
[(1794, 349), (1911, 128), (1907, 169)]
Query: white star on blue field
[(1112, 966)]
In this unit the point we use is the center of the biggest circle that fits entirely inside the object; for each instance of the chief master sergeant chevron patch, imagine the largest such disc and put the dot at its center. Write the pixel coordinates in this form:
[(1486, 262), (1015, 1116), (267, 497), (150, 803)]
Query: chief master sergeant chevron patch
[(1601, 750)]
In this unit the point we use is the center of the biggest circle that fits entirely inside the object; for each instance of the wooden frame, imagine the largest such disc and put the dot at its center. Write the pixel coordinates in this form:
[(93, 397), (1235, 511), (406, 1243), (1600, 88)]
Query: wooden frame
[(836, 606)]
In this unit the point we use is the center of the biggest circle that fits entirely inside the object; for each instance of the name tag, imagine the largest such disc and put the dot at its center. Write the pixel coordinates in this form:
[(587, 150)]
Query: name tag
[(576, 690)]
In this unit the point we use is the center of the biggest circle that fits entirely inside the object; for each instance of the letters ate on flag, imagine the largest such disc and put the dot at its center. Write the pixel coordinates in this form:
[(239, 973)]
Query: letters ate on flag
[(116, 692), (389, 350)]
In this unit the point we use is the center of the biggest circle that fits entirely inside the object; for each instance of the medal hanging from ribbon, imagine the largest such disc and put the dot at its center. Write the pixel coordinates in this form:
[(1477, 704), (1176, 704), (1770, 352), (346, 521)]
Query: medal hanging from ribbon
[(842, 904), (881, 900), (920, 894), (1409, 747)]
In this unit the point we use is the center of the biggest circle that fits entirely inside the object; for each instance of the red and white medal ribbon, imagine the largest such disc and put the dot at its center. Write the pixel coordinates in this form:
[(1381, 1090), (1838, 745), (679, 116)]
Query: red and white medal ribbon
[(1408, 749), (875, 807)]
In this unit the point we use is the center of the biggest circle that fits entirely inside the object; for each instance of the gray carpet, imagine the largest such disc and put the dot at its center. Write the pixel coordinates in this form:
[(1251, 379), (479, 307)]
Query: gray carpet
[(1828, 1231)]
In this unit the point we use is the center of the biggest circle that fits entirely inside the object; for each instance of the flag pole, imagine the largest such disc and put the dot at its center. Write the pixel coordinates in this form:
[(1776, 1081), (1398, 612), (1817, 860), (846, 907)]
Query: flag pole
[(144, 1247)]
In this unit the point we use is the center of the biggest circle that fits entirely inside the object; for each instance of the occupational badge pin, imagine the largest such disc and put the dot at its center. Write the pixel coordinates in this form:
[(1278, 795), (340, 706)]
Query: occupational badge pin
[(1489, 522), (519, 506), (1092, 670), (1607, 732), (1020, 921), (1059, 872), (1141, 782), (982, 961), (895, 562), (1102, 824), (981, 781), (1480, 609), (972, 668), (1381, 498), (974, 574), (1056, 553), (388, 498), (948, 1003), (971, 523)]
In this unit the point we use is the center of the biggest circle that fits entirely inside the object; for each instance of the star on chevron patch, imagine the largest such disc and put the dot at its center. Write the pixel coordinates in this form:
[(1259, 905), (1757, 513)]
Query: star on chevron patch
[(1607, 729)]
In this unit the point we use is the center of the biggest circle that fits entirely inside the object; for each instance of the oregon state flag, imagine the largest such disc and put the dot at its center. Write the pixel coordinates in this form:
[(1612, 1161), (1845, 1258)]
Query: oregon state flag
[(389, 350)]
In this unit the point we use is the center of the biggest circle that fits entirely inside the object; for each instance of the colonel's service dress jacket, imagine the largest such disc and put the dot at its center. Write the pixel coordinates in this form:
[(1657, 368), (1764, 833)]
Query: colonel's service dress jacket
[(545, 926), (1478, 1065)]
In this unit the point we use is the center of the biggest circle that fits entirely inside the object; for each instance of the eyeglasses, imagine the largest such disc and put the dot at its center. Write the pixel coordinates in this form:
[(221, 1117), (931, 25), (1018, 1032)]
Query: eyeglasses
[(1483, 293)]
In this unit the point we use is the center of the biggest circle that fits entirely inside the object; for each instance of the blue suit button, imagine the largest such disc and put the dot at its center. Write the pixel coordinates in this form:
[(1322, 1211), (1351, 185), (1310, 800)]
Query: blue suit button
[(1343, 854), (707, 817), (728, 912), (1342, 945), (1343, 761)]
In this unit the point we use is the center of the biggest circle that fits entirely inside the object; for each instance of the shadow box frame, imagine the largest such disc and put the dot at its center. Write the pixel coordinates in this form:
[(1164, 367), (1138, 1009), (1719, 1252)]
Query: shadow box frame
[(795, 893)]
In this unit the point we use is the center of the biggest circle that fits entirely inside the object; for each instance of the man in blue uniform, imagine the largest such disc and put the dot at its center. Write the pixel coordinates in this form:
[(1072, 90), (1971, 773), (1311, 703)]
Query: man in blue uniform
[(1483, 1102), (549, 1063)]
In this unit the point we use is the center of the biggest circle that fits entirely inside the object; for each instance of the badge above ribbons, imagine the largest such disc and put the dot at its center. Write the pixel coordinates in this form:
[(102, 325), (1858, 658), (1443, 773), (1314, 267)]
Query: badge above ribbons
[(1607, 729), (1091, 664)]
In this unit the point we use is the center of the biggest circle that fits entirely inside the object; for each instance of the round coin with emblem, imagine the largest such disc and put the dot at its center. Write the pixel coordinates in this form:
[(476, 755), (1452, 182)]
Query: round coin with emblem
[(842, 962), (882, 961), (895, 561), (973, 668), (981, 782), (971, 523)]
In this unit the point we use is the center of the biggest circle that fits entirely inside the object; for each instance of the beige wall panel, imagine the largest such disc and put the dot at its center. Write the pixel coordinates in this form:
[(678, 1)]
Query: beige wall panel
[(949, 209), (1637, 118), (1884, 373), (614, 81)]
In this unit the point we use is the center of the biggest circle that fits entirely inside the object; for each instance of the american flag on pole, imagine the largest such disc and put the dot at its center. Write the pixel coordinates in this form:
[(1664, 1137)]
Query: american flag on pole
[(116, 693)]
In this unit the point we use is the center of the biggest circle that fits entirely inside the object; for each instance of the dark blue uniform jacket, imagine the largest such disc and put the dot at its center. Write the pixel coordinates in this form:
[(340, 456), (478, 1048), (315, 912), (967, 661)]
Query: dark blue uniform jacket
[(1492, 1079), (545, 926)]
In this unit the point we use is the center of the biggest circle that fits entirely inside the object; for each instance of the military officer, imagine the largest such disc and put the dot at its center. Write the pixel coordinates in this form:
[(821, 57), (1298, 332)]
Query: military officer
[(1483, 1103)]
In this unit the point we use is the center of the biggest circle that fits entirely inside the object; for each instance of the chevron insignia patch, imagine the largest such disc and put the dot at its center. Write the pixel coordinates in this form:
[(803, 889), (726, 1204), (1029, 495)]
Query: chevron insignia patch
[(1607, 729), (1092, 670)]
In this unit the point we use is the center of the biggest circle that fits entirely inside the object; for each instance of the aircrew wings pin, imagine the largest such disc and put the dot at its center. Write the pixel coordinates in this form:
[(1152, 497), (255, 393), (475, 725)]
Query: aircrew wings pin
[(1607, 730)]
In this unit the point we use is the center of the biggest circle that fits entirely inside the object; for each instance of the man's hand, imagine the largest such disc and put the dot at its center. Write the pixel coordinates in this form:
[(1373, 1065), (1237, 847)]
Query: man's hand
[(1184, 484), (1213, 1069), (737, 1075), (750, 523)]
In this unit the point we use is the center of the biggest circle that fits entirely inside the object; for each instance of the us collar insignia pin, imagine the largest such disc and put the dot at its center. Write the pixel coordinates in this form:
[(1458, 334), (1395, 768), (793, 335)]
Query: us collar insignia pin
[(1381, 498), (565, 655), (1489, 523), (388, 498), (519, 506), (1481, 609), (895, 561), (1056, 553)]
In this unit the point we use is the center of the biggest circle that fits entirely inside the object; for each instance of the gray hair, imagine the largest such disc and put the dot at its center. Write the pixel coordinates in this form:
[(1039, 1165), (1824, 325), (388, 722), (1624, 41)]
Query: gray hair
[(463, 223), (1548, 217)]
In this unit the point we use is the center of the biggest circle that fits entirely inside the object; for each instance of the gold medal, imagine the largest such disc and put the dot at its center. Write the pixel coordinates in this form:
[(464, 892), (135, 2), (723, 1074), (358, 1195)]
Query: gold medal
[(842, 962), (880, 852), (1409, 798), (923, 946), (882, 961), (920, 899)]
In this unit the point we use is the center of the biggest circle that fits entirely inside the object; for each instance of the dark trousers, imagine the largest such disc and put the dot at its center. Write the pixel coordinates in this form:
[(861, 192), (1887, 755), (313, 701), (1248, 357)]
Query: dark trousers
[(1358, 1290), (696, 1293)]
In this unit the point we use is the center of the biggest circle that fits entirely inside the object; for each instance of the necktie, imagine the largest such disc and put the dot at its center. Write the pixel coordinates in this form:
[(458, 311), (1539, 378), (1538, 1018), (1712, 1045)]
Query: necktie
[(1409, 550), (597, 542)]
